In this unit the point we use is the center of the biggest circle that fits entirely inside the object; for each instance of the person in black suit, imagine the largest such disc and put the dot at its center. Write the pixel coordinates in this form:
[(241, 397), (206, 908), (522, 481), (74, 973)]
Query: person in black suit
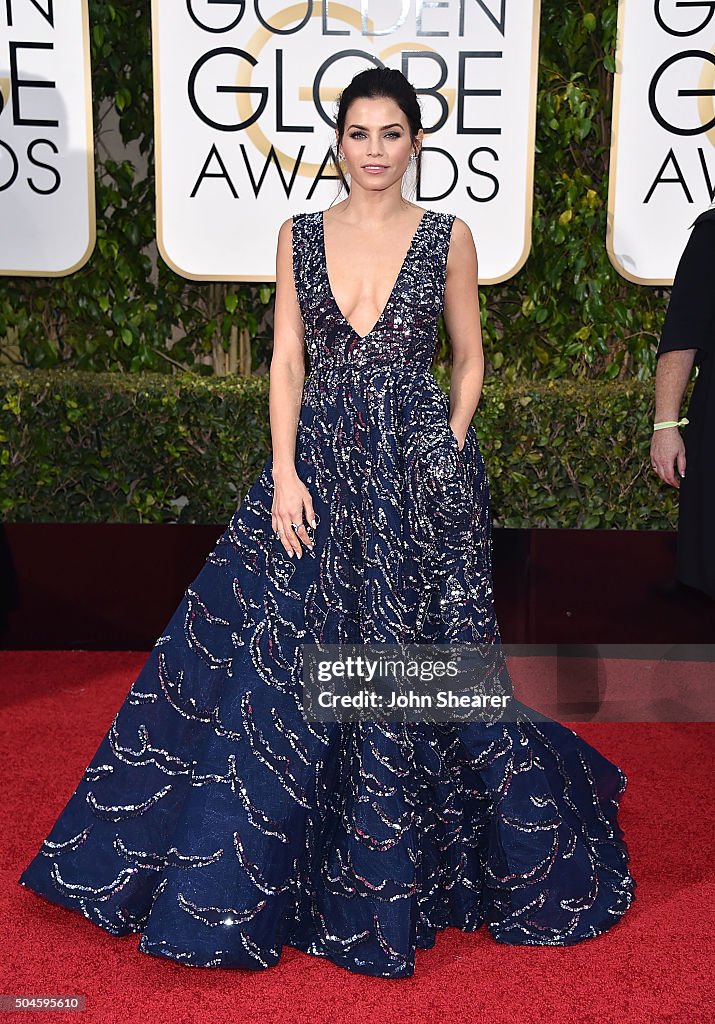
[(688, 338)]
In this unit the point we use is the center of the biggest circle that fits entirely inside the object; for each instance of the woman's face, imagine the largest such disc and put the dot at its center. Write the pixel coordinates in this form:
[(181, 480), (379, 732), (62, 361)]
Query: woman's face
[(376, 143)]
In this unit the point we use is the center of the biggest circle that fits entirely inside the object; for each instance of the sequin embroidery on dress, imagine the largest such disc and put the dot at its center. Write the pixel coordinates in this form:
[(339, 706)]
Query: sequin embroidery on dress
[(220, 825)]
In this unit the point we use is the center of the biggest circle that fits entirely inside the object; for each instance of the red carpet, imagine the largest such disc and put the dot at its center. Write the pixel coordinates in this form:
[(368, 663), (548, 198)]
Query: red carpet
[(655, 965)]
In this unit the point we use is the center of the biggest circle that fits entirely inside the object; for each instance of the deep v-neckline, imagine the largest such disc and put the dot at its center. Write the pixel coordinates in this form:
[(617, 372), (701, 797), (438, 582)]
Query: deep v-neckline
[(362, 337)]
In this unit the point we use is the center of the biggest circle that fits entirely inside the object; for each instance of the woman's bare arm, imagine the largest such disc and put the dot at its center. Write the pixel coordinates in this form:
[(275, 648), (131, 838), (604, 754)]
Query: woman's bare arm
[(461, 317), (287, 371), (287, 374)]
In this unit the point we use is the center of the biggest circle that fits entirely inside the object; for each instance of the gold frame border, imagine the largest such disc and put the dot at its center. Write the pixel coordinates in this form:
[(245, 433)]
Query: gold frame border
[(158, 164), (91, 189), (529, 198), (158, 172), (613, 162)]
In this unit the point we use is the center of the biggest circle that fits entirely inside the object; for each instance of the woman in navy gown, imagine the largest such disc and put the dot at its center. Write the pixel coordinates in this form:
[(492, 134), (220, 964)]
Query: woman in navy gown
[(216, 819)]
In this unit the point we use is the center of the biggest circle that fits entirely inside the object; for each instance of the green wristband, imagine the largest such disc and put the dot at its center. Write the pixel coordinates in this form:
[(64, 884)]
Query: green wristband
[(670, 423)]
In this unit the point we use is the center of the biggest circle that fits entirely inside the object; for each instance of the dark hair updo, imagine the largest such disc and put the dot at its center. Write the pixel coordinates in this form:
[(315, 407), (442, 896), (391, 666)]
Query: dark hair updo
[(379, 83)]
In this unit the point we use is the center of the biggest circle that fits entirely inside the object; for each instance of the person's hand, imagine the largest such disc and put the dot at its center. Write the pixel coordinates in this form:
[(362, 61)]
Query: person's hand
[(667, 449), (460, 443), (291, 498)]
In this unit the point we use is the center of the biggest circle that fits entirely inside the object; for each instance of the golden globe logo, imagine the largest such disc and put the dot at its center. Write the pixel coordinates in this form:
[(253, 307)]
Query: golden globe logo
[(246, 93)]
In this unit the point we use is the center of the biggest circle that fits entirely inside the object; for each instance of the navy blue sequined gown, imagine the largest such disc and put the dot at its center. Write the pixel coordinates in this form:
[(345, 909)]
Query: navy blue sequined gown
[(218, 824)]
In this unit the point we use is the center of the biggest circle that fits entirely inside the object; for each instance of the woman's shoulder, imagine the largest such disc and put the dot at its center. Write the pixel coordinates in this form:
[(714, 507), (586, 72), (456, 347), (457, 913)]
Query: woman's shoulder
[(461, 238), (300, 217), (458, 228), (299, 226), (445, 216)]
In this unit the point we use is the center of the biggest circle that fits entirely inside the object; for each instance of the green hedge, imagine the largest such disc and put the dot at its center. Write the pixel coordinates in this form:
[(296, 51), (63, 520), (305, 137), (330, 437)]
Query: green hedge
[(106, 447), (567, 314)]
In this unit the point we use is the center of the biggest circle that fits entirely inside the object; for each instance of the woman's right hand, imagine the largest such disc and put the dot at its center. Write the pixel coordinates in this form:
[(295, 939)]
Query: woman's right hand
[(291, 498)]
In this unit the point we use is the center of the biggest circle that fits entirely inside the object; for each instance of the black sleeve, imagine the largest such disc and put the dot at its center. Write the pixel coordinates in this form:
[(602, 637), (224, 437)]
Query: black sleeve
[(690, 317)]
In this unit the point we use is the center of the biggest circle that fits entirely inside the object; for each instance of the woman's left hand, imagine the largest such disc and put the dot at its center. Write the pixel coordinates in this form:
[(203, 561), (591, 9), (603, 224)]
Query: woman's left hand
[(460, 439)]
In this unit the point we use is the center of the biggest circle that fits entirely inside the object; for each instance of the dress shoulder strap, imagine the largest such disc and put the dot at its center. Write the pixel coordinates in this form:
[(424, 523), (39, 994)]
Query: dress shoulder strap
[(446, 222), (306, 257), (436, 243)]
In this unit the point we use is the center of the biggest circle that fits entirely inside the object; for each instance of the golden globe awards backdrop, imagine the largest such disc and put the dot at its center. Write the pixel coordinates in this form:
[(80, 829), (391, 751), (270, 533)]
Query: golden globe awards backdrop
[(244, 106), (663, 137), (47, 209)]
